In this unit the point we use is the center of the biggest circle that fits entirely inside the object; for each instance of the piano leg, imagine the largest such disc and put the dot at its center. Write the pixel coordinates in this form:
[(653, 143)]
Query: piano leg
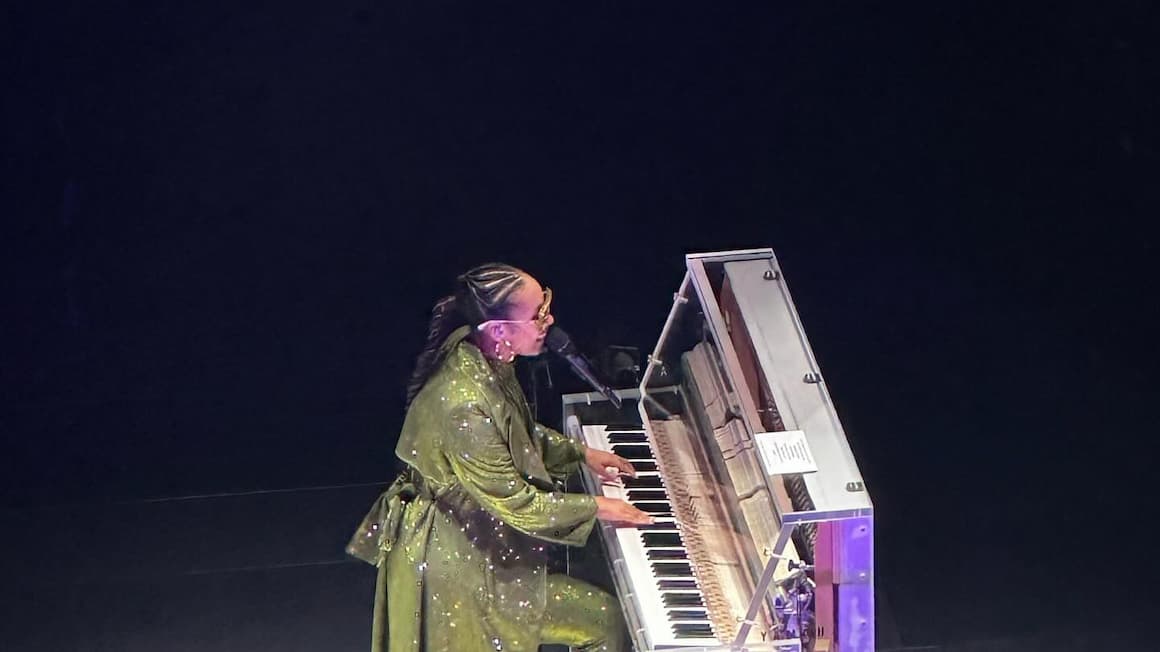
[(825, 601), (854, 573)]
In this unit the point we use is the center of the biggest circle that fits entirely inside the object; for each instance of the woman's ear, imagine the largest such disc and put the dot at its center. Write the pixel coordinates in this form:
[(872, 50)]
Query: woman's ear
[(496, 331)]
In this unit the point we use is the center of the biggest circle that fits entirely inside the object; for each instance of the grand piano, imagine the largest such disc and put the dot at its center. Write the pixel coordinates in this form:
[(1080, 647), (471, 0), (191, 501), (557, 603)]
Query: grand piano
[(763, 537)]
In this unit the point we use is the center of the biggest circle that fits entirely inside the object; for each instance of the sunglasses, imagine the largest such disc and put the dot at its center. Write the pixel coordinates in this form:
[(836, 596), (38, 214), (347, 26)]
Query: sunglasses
[(540, 320)]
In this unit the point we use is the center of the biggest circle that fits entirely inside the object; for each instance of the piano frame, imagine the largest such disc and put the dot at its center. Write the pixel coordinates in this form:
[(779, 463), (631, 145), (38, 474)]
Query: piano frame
[(841, 504)]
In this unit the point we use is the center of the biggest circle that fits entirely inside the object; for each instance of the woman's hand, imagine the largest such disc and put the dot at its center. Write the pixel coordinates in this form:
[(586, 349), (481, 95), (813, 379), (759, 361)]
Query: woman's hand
[(618, 512), (607, 466)]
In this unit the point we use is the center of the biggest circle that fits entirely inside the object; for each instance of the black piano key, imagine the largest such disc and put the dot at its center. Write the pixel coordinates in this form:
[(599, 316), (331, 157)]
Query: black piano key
[(643, 482), (644, 465), (653, 539), (624, 427), (627, 438), (693, 630), (663, 527), (647, 494), (654, 508), (677, 585), (672, 569), (668, 554), (633, 451), (688, 614), (682, 600)]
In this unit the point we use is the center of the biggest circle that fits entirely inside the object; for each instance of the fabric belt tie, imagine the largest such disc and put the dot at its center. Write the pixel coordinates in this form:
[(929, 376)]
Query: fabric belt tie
[(379, 529)]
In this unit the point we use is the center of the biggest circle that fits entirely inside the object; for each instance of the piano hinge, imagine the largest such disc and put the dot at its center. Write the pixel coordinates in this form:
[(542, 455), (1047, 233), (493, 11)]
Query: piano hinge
[(812, 378), (771, 275)]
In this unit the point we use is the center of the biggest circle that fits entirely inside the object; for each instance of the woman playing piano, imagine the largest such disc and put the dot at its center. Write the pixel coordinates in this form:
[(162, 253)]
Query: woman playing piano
[(460, 538)]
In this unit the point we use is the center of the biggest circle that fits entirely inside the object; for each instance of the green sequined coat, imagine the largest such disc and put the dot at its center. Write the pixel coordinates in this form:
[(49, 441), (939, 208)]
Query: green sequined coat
[(460, 539)]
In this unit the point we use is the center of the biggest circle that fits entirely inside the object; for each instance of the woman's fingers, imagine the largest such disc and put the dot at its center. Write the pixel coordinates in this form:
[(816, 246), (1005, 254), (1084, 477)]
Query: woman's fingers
[(619, 512), (625, 467), (634, 516)]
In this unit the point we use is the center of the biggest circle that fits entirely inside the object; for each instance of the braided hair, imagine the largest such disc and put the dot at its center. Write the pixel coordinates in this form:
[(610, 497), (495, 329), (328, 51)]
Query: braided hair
[(481, 293)]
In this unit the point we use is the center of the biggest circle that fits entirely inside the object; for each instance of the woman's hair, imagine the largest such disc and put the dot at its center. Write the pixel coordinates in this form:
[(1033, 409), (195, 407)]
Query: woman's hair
[(481, 293)]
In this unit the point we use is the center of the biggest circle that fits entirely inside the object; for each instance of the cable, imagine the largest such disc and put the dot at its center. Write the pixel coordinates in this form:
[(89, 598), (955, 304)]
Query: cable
[(224, 494), (255, 492)]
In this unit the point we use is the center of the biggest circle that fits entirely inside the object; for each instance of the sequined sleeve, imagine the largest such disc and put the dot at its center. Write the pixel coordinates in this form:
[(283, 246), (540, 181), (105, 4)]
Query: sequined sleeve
[(480, 459), (562, 454)]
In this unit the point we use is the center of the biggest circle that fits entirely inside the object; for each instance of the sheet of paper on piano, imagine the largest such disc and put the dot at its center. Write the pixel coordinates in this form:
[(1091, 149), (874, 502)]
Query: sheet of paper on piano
[(785, 451)]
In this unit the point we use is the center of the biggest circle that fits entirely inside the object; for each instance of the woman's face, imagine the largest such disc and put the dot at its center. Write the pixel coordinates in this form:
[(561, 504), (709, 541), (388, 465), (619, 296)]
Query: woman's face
[(528, 319)]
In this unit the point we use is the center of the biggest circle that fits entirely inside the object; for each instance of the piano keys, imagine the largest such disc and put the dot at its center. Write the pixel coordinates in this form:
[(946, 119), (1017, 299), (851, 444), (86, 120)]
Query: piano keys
[(656, 557)]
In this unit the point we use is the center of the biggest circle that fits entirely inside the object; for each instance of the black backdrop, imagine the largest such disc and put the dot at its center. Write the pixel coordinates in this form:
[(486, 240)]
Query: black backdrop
[(224, 226)]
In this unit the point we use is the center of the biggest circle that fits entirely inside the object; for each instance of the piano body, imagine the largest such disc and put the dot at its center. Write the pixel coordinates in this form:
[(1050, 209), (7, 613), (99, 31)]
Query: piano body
[(764, 532)]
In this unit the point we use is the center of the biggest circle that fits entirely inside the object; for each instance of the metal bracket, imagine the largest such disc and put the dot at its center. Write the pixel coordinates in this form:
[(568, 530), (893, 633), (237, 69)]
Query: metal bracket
[(762, 588)]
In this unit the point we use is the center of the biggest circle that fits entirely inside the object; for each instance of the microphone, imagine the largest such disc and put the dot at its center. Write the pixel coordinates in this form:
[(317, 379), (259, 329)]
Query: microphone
[(561, 344)]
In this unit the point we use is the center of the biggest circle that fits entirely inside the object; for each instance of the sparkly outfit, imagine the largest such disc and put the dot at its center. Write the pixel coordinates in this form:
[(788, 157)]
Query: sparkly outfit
[(459, 538)]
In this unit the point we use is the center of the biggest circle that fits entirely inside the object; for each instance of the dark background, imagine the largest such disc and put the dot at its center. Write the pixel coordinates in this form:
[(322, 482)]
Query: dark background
[(223, 227)]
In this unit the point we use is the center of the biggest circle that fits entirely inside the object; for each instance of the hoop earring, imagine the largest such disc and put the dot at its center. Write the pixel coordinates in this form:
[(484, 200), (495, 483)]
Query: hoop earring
[(506, 356)]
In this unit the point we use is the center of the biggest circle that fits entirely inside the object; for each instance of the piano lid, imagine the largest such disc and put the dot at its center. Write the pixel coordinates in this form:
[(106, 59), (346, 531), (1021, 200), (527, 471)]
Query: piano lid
[(737, 302)]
